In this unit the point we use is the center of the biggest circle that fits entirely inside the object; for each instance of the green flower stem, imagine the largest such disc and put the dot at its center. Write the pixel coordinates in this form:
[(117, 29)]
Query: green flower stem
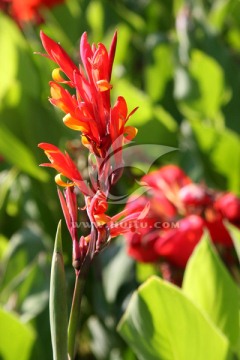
[(78, 293), (75, 314)]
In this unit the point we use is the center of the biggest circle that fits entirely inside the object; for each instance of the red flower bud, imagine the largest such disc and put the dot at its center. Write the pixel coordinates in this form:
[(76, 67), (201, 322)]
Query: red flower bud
[(194, 195), (229, 206)]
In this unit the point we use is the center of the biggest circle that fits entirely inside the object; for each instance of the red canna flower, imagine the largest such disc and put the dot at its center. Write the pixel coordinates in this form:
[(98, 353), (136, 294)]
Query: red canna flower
[(89, 109), (104, 132)]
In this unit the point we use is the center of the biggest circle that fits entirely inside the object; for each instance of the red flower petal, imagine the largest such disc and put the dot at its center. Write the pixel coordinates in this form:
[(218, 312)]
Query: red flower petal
[(176, 245)]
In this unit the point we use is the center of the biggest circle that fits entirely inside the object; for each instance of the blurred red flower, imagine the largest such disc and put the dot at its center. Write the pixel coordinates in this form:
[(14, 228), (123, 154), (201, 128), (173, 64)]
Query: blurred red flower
[(179, 212), (27, 10)]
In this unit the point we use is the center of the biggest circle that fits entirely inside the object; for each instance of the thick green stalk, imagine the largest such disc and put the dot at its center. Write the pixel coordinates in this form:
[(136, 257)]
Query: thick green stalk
[(75, 314), (58, 301)]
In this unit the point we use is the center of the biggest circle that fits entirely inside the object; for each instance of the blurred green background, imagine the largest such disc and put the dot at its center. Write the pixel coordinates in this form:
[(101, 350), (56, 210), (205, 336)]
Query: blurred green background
[(179, 61)]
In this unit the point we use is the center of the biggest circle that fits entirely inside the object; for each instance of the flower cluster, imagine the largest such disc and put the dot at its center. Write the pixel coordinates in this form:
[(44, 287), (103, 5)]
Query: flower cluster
[(87, 109), (180, 210), (27, 10)]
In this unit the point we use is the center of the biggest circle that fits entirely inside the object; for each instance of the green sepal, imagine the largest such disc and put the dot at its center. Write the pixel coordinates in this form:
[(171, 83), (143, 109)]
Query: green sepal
[(58, 301)]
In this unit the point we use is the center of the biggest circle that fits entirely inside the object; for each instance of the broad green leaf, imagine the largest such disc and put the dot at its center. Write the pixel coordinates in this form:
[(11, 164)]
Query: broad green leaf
[(161, 323), (58, 301), (235, 235), (16, 153), (17, 339), (209, 285)]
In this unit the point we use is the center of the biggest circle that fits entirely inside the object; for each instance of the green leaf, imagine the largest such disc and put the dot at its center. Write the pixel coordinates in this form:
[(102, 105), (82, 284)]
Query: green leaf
[(161, 323), (96, 22), (25, 248), (118, 268), (235, 235), (145, 270), (58, 301), (7, 178), (209, 285), (17, 339), (16, 153), (16, 63), (161, 64), (135, 98), (201, 89), (3, 245), (8, 62), (216, 147), (219, 12)]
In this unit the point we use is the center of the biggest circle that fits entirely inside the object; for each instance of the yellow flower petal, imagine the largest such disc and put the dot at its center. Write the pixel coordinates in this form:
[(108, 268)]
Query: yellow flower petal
[(130, 132), (57, 76), (85, 141), (101, 219), (75, 124), (103, 85), (60, 182)]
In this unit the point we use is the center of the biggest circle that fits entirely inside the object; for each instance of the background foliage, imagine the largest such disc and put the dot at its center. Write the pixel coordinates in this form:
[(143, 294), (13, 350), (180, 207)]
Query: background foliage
[(179, 62)]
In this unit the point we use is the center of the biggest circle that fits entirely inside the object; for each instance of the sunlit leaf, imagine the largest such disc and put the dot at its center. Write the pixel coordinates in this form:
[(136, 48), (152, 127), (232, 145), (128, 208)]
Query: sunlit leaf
[(210, 286), (16, 64), (16, 153), (201, 92), (161, 323), (235, 235), (17, 339)]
